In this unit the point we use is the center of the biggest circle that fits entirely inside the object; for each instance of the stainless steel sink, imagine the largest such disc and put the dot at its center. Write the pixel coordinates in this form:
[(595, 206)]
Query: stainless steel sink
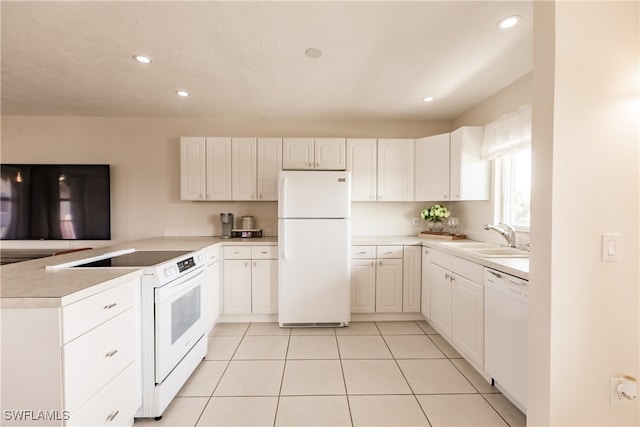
[(498, 252)]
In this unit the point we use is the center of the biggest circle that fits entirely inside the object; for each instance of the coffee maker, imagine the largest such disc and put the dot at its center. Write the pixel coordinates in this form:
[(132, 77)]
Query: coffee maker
[(227, 224)]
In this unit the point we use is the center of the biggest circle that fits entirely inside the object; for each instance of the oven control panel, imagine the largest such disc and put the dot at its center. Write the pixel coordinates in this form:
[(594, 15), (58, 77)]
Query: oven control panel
[(186, 264), (174, 269)]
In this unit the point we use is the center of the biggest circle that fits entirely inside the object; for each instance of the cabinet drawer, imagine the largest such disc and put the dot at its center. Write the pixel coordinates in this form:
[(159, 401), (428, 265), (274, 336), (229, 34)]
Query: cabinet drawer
[(95, 358), (390, 252), (363, 252), (213, 254), (114, 405), (81, 316), (264, 252), (237, 252)]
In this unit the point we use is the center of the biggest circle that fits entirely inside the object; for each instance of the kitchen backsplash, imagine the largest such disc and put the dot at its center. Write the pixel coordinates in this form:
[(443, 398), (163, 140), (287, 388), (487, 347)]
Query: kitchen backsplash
[(367, 218), (386, 218)]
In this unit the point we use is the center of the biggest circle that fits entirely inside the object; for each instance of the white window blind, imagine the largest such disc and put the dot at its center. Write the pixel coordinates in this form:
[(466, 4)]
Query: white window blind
[(509, 133)]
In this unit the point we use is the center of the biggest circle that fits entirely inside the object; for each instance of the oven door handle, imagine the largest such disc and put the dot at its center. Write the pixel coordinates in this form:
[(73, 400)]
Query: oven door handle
[(179, 286)]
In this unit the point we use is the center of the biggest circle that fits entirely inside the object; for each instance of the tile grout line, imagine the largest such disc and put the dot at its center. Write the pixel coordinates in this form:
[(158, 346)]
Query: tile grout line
[(221, 375), (472, 385), (344, 379), (404, 376), (284, 368)]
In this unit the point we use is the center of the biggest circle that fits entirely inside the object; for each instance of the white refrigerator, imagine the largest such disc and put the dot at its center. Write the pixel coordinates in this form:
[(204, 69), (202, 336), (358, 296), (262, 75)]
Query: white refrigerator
[(314, 240)]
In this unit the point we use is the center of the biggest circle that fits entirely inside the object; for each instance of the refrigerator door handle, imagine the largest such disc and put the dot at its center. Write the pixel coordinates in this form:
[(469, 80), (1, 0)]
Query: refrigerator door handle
[(283, 245), (282, 199)]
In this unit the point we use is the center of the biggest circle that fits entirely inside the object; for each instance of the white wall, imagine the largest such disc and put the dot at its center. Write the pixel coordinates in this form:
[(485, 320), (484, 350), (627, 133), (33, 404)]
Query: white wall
[(144, 154), (584, 314)]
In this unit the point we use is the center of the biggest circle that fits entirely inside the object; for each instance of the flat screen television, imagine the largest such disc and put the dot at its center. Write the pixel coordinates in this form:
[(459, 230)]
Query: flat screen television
[(55, 202)]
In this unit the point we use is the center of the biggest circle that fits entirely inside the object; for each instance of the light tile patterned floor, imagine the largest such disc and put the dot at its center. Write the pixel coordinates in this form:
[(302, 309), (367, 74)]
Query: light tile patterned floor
[(369, 374)]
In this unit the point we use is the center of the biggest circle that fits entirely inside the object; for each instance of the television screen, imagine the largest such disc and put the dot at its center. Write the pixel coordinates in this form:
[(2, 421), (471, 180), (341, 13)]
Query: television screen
[(55, 202)]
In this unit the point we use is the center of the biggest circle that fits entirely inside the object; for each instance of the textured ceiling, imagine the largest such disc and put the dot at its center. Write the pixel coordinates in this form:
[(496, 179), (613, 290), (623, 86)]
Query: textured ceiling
[(246, 59)]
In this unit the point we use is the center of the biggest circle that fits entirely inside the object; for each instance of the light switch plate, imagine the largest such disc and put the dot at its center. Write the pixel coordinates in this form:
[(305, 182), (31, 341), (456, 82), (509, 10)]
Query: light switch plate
[(610, 247)]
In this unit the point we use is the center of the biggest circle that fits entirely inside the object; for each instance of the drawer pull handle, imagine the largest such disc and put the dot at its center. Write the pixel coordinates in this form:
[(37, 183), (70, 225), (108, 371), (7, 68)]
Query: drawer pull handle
[(112, 416), (110, 306), (111, 353)]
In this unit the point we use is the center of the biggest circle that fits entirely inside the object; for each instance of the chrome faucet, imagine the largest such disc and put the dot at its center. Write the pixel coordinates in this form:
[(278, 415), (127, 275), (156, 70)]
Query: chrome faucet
[(507, 231)]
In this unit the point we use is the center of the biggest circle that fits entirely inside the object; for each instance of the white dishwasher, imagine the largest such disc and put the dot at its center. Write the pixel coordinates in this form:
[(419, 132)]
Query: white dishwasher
[(505, 337)]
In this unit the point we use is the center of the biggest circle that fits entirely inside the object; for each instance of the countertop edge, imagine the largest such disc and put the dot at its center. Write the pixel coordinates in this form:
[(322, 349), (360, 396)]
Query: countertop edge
[(14, 275)]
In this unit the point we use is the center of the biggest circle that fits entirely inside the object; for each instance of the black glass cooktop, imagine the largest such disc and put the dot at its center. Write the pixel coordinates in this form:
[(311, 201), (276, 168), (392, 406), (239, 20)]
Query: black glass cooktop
[(136, 259)]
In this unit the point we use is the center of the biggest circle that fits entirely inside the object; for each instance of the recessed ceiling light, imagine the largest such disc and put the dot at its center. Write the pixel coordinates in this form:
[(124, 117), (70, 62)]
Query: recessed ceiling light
[(508, 22), (428, 98), (142, 59), (313, 52), (182, 93)]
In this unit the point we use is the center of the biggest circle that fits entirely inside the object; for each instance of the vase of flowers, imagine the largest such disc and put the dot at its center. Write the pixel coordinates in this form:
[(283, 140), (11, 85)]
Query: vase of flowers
[(435, 217)]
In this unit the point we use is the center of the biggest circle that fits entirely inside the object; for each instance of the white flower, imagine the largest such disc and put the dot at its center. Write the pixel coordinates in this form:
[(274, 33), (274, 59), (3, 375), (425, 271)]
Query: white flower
[(435, 213)]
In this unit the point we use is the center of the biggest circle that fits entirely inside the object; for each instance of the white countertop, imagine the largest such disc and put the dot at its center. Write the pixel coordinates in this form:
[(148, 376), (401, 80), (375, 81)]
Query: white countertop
[(518, 267), (30, 284)]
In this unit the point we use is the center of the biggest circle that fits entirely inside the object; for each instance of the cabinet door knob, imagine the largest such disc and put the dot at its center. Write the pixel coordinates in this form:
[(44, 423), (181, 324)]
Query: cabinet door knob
[(110, 306)]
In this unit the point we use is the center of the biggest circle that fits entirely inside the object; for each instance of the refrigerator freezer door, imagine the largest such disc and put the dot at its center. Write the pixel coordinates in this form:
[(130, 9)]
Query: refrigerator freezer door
[(314, 194), (313, 271)]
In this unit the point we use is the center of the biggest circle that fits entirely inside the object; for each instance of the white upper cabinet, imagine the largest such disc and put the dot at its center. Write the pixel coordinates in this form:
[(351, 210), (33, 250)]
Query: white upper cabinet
[(470, 174), (269, 164), (218, 168), (362, 162), (205, 168), (330, 154), (313, 153), (297, 153), (395, 170), (192, 168), (243, 168), (432, 168)]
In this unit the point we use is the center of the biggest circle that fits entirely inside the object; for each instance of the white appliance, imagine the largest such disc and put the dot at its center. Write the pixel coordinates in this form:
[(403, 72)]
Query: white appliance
[(505, 338), (314, 237), (174, 318)]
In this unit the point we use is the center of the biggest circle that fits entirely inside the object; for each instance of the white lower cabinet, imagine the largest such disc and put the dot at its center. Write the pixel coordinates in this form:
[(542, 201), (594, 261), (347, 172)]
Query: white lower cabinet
[(250, 279), (457, 303), (77, 363), (389, 286), (264, 286), (426, 283), (411, 279), (213, 291), (237, 286), (385, 279), (467, 324), (363, 285), (441, 291)]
